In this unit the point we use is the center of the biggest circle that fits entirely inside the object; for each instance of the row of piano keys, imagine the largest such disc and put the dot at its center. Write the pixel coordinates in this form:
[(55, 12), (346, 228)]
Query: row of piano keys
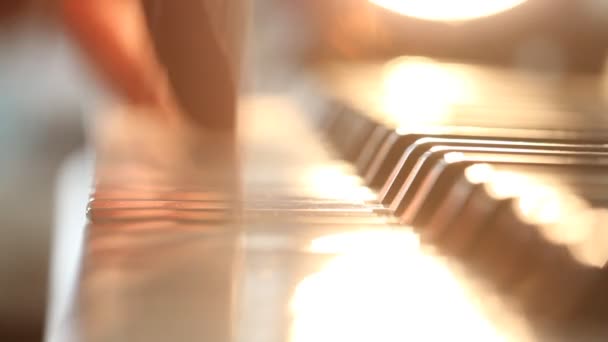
[(525, 213), (187, 225), (485, 197)]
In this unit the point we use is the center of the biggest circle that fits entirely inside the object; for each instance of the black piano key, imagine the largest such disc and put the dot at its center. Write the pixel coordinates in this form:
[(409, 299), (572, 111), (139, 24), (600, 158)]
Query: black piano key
[(509, 252), (412, 153), (386, 158), (371, 148), (336, 122), (343, 130), (402, 204), (503, 247), (330, 115), (433, 187), (554, 290), (463, 229), (444, 231), (593, 307), (448, 210), (410, 186), (357, 140), (354, 133)]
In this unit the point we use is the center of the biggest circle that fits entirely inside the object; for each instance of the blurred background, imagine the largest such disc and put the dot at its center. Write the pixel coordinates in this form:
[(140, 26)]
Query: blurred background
[(47, 92), (41, 105)]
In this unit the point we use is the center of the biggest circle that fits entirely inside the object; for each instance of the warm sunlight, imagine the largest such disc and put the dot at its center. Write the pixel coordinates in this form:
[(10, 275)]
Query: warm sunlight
[(418, 90), (448, 10), (383, 286), (560, 217), (334, 182), (593, 251)]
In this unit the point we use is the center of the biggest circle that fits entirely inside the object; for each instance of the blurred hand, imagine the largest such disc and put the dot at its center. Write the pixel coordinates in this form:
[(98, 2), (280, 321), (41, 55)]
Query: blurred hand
[(114, 36)]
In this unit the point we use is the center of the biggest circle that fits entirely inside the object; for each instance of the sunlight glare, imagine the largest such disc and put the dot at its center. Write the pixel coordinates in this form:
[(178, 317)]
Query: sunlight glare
[(334, 182), (594, 250), (560, 216), (417, 90), (448, 10), (506, 184), (479, 173), (383, 286)]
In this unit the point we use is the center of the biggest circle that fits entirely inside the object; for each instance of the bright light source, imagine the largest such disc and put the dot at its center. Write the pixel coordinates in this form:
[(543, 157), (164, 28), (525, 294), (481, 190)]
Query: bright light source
[(448, 10), (334, 182), (420, 91), (382, 286)]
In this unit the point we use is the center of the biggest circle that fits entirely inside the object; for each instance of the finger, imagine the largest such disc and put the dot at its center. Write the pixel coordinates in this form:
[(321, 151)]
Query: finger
[(113, 33)]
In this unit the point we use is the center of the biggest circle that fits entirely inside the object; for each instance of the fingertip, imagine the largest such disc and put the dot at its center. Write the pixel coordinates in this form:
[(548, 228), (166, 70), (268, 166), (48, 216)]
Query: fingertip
[(114, 40)]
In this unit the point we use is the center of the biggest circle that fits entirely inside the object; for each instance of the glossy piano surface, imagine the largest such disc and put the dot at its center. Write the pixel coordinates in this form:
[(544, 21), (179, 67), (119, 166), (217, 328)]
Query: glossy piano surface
[(265, 276), (273, 238)]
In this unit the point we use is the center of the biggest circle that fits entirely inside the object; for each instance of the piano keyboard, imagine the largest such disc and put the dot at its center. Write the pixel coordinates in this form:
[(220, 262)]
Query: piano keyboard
[(354, 227), (518, 212)]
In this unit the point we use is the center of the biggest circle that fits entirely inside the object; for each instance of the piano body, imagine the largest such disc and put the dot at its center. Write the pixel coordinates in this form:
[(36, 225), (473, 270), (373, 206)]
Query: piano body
[(414, 199)]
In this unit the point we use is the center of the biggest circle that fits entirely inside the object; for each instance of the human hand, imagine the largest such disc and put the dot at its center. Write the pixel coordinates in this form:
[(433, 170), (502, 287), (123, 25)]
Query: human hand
[(114, 35)]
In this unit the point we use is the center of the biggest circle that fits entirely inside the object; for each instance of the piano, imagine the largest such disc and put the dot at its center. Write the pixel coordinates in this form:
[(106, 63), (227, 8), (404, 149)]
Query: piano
[(384, 199), (433, 208)]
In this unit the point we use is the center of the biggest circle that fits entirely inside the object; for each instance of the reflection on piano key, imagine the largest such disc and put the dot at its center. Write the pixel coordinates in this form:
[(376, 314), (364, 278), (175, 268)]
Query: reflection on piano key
[(331, 182), (382, 286)]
